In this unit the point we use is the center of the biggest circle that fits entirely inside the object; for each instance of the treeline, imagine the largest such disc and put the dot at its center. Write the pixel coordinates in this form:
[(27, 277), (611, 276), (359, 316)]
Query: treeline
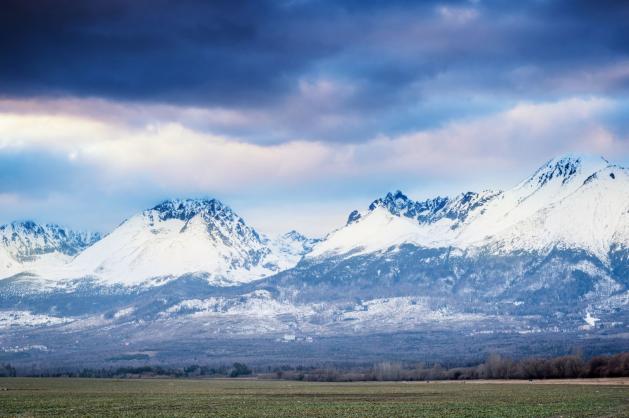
[(495, 367), (6, 370), (235, 370)]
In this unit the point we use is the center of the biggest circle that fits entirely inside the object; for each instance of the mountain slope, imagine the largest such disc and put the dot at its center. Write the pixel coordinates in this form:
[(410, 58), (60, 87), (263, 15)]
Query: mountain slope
[(179, 237), (570, 202), (543, 192), (593, 217), (28, 246), (545, 259)]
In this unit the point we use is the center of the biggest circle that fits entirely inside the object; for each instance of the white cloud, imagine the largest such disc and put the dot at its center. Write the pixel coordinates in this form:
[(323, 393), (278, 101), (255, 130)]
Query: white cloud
[(525, 134), (458, 15), (170, 154), (173, 154), (174, 157)]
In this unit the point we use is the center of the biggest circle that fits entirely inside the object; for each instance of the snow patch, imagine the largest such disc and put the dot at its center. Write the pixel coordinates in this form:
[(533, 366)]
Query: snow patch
[(27, 319)]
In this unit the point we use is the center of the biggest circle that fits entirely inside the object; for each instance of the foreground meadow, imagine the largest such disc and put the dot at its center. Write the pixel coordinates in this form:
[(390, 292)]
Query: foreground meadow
[(243, 398)]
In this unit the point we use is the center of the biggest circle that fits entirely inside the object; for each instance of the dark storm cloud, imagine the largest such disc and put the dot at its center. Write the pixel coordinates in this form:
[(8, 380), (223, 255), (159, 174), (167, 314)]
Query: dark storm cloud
[(149, 50), (390, 60)]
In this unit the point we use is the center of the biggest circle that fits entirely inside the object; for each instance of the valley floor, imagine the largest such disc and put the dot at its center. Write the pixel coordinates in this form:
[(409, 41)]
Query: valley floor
[(242, 398)]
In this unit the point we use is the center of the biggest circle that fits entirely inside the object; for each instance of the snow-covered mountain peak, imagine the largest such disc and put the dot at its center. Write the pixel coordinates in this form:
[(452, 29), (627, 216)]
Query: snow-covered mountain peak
[(430, 210), (188, 236), (28, 246), (397, 203), (593, 218), (186, 209), (375, 230), (551, 183), (24, 240), (178, 237), (566, 168), (570, 202), (461, 206), (211, 215)]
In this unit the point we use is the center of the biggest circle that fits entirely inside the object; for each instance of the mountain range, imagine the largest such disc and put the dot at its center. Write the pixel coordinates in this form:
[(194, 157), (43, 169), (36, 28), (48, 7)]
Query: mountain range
[(547, 260)]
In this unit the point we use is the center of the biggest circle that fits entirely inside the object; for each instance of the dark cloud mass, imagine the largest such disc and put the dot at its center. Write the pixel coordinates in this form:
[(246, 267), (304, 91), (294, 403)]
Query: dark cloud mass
[(149, 50), (239, 52), (388, 60), (107, 106)]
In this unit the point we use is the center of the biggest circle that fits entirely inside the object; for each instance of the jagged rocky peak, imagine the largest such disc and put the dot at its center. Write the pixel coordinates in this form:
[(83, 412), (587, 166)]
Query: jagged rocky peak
[(179, 237), (27, 239), (399, 204), (430, 210), (221, 222), (354, 216), (567, 167), (459, 207), (396, 202), (186, 209)]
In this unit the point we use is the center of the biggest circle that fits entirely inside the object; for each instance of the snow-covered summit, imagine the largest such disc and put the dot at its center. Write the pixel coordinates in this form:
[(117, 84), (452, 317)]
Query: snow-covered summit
[(551, 184), (222, 223), (591, 215), (399, 204), (376, 229), (28, 245), (186, 236), (432, 210), (569, 202), (185, 209), (27, 239), (566, 168), (172, 239)]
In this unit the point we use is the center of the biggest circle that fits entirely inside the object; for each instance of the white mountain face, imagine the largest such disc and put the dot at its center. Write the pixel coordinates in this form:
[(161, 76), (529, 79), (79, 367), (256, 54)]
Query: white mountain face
[(591, 215), (28, 246), (570, 202), (288, 249), (179, 237), (549, 256)]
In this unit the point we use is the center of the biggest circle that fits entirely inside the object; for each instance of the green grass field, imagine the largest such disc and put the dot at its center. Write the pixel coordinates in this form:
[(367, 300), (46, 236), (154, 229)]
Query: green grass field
[(242, 398)]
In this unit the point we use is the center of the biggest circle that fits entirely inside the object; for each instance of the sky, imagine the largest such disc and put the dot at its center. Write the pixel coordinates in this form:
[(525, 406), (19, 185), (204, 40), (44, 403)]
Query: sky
[(296, 112)]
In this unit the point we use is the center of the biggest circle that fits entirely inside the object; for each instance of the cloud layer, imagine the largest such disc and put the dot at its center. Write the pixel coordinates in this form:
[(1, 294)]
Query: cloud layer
[(318, 70), (308, 107), (80, 155)]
